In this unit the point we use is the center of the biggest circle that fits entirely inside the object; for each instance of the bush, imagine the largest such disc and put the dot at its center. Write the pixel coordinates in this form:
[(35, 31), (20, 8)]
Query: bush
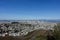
[(57, 32)]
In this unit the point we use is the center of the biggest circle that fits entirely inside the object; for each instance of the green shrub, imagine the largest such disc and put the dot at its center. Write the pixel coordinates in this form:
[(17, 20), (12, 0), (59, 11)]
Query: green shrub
[(57, 32)]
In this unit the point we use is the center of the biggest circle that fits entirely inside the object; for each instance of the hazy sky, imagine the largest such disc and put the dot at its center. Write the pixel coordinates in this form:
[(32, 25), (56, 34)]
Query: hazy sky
[(29, 9)]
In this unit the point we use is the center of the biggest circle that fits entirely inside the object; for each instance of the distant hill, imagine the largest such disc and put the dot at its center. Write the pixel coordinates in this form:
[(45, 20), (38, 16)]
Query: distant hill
[(55, 21)]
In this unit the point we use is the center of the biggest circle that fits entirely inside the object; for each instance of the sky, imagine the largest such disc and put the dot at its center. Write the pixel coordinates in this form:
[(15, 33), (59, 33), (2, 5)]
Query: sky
[(29, 9)]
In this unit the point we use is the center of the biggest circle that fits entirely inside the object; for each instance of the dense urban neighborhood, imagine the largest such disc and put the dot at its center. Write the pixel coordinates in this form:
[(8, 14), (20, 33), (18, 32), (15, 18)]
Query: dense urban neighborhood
[(24, 27)]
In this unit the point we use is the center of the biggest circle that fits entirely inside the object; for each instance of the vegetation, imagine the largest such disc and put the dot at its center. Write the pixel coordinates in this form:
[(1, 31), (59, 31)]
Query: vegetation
[(36, 35), (15, 23), (57, 31)]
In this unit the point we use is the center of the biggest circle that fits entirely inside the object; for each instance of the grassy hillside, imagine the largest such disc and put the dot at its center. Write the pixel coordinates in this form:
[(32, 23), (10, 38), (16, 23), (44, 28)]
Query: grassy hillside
[(36, 35)]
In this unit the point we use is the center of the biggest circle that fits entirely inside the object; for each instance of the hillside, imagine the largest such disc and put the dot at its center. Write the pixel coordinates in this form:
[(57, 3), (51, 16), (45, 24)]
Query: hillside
[(37, 34)]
